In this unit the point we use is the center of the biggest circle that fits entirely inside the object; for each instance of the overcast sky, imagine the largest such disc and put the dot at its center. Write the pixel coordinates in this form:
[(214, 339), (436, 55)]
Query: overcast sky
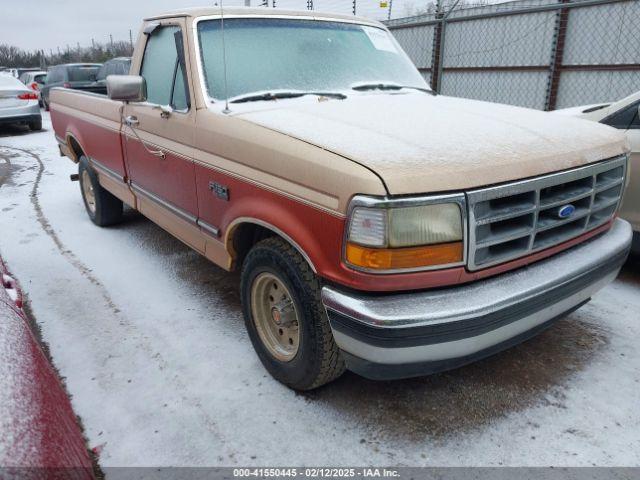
[(48, 24)]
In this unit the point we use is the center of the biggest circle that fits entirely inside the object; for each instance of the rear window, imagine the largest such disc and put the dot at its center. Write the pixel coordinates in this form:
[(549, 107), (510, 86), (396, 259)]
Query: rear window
[(40, 78), (83, 74)]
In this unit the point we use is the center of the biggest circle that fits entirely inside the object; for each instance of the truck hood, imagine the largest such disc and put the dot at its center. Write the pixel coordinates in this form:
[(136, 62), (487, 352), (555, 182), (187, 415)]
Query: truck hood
[(418, 143)]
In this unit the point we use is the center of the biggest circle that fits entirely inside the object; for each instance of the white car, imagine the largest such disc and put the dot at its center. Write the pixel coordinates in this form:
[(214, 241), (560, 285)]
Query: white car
[(18, 103), (34, 80), (623, 115)]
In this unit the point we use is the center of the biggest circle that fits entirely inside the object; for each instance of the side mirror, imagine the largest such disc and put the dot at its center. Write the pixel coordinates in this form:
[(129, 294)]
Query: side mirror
[(127, 88)]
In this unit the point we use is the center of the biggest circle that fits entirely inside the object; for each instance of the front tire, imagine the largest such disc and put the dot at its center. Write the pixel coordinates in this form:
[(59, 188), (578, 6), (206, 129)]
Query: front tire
[(285, 319), (102, 207)]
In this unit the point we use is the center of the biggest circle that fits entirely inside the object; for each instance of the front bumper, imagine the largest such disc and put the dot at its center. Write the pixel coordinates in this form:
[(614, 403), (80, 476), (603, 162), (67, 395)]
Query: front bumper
[(411, 334)]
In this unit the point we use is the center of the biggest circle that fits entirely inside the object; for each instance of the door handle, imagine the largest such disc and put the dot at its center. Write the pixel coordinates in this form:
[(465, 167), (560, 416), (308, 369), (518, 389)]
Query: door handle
[(131, 121)]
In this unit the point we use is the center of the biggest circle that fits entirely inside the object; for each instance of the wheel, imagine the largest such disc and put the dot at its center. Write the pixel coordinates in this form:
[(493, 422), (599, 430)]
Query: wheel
[(285, 319), (36, 125), (103, 208)]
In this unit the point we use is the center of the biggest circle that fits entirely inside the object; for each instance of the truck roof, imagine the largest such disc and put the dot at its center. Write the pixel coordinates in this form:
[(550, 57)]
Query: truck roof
[(261, 12)]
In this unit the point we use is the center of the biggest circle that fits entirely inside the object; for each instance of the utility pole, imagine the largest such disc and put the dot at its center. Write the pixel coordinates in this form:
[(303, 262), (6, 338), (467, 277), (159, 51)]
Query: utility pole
[(111, 40), (309, 4), (131, 40), (354, 6), (247, 3), (390, 8)]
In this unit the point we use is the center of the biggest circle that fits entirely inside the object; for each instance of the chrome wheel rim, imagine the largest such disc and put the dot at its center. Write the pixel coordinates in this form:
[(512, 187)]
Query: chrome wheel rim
[(87, 192), (275, 316)]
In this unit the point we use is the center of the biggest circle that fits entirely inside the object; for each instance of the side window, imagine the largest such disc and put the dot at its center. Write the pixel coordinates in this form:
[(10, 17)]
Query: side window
[(624, 119), (161, 70)]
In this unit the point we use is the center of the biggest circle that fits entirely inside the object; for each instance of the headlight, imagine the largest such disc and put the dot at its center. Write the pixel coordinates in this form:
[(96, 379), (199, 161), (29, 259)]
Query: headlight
[(406, 234)]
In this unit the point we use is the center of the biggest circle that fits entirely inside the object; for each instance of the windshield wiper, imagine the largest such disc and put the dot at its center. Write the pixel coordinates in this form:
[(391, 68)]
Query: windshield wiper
[(362, 87), (266, 96)]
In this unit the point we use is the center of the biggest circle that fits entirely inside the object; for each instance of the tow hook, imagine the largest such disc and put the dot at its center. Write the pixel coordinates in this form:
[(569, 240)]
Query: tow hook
[(74, 177)]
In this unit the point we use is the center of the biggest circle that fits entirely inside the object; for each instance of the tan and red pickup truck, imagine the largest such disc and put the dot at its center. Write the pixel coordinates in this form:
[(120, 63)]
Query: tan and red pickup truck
[(378, 227)]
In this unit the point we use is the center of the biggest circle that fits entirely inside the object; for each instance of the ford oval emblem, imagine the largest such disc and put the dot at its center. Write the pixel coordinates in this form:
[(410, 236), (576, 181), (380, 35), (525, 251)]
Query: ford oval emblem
[(566, 211)]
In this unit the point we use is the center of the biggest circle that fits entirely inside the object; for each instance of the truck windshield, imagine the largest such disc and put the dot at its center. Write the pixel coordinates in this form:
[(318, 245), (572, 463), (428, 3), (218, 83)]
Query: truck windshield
[(300, 55)]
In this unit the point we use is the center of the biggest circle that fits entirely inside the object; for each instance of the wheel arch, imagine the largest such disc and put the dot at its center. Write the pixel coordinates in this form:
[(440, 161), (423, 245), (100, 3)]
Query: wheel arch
[(75, 147), (244, 232)]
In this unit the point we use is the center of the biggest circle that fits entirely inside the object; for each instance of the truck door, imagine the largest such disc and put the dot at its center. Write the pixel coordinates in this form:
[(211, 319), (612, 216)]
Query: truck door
[(159, 135)]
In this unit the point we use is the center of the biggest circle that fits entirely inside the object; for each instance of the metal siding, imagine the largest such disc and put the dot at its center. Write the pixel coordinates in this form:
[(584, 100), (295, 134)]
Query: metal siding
[(585, 87), (606, 34), (603, 34), (500, 87), (418, 43), (503, 41)]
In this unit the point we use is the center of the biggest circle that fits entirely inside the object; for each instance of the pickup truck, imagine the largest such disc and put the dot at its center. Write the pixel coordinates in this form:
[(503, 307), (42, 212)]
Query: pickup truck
[(378, 227)]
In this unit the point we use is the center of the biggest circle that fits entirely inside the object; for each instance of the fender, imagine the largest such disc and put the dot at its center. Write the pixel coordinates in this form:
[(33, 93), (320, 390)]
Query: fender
[(314, 233)]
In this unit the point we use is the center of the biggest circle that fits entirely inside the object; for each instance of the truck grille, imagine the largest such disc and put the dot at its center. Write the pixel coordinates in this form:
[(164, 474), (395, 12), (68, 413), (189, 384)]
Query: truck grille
[(516, 219)]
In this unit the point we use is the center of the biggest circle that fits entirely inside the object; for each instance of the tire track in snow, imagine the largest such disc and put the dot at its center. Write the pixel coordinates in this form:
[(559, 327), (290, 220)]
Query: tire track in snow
[(87, 274), (4, 178), (48, 229)]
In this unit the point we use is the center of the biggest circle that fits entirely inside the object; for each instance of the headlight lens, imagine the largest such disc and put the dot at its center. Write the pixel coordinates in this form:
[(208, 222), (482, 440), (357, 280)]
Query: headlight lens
[(424, 225), (408, 237)]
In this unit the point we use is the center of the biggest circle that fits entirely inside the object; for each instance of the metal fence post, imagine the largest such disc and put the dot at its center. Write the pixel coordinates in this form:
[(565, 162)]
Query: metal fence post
[(557, 53), (436, 53)]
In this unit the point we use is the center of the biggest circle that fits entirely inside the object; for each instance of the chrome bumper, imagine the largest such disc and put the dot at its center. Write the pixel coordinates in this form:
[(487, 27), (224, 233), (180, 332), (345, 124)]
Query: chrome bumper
[(410, 334)]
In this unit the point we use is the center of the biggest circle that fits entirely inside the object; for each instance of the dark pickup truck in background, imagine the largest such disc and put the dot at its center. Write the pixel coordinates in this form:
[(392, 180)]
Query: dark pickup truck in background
[(78, 76)]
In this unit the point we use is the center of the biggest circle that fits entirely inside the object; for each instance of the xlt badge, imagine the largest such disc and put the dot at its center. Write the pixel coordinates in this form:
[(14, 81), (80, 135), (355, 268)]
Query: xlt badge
[(220, 191)]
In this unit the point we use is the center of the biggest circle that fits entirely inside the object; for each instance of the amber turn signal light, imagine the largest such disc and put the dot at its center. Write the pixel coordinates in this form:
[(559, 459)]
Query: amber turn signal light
[(403, 258)]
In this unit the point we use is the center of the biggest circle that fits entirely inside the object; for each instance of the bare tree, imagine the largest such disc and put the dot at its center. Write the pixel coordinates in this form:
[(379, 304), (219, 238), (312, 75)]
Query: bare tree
[(12, 56)]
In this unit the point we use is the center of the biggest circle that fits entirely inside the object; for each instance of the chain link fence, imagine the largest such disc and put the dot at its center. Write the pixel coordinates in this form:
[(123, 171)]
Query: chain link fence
[(536, 54)]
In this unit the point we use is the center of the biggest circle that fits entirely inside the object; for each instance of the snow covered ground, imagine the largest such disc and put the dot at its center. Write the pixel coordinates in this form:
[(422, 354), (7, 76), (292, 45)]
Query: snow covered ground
[(150, 339)]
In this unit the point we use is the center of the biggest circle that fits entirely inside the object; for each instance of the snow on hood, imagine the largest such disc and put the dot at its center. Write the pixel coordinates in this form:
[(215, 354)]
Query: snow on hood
[(418, 143)]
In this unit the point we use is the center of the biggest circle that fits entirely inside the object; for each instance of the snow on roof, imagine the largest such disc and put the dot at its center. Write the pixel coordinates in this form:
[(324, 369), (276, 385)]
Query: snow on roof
[(262, 12)]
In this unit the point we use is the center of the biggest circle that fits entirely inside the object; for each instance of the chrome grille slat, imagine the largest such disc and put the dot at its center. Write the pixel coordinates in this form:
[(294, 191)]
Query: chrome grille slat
[(516, 219), (602, 188), (563, 201), (505, 238), (505, 216)]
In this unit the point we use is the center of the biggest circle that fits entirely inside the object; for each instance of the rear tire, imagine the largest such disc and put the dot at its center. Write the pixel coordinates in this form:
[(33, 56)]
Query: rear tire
[(36, 125), (313, 358), (102, 207)]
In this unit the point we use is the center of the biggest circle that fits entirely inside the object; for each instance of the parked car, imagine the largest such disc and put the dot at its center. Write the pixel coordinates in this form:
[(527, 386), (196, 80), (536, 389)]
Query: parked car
[(78, 76), (377, 226), (20, 71), (34, 80), (115, 66), (18, 103), (40, 431), (623, 115)]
